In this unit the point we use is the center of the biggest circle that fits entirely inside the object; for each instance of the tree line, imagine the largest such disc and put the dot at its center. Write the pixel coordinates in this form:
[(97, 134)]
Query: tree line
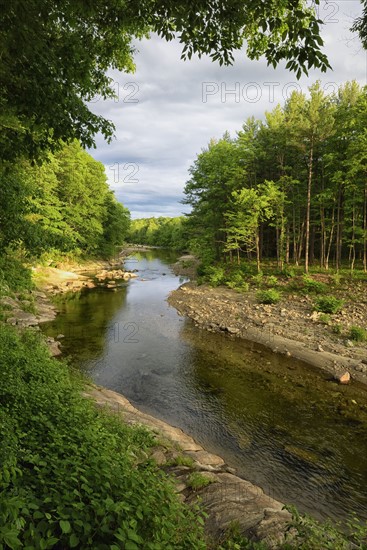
[(63, 205), (162, 231), (292, 187)]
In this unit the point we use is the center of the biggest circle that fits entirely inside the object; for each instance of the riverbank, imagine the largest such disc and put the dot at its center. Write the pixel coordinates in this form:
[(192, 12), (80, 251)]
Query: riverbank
[(30, 308), (227, 499), (289, 327)]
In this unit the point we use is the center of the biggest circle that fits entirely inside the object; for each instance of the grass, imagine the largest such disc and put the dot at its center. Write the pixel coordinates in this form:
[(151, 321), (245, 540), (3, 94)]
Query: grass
[(197, 481), (181, 460)]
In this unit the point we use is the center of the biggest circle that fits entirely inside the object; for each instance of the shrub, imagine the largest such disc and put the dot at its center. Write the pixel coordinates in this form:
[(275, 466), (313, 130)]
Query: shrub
[(215, 275), (258, 278), (270, 296), (14, 276), (237, 282), (271, 280), (288, 272), (328, 304), (73, 476), (310, 285), (358, 334)]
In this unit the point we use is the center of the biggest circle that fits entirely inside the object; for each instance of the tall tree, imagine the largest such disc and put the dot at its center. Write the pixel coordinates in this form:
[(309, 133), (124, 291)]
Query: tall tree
[(310, 121)]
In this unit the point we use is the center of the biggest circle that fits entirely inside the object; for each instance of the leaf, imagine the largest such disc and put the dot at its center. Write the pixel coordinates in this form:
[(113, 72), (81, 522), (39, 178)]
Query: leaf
[(73, 541), (65, 526), (11, 539)]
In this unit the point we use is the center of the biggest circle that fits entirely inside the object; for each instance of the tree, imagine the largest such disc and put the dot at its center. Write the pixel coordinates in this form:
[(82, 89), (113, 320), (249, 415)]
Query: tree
[(54, 55), (310, 122), (216, 173)]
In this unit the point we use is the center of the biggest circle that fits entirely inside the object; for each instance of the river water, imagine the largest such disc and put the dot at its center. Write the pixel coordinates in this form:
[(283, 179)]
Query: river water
[(284, 426)]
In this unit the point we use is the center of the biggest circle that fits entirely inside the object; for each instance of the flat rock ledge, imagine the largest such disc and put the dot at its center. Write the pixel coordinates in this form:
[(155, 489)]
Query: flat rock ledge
[(226, 497)]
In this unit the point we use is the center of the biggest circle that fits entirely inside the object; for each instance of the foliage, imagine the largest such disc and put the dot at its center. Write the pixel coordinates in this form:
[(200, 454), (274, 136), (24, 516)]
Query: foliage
[(310, 533), (197, 481), (72, 476), (64, 205), (232, 539), (181, 460), (270, 296), (291, 187), (337, 328), (164, 232), (328, 304), (316, 287), (14, 276), (68, 47), (358, 334), (215, 275)]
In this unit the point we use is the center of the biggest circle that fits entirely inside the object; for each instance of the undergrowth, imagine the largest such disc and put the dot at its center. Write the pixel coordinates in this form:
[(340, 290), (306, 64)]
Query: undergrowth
[(72, 476)]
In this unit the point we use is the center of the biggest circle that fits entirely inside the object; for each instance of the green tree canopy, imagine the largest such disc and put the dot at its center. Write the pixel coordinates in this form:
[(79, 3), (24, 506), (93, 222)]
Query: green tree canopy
[(54, 55)]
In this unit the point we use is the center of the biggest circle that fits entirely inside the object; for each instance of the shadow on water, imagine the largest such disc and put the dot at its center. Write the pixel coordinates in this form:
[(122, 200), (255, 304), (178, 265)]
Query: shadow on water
[(283, 425)]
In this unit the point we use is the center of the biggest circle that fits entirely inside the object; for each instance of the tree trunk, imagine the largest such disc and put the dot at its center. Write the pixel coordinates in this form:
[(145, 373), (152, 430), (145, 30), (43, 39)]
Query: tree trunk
[(330, 240), (258, 251), (365, 229), (308, 208)]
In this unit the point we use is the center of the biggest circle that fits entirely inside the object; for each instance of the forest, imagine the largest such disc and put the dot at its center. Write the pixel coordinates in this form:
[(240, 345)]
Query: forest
[(62, 206), (292, 187)]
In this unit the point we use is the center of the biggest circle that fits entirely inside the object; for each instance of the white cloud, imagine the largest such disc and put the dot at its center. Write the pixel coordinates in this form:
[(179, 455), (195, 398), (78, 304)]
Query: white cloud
[(162, 122)]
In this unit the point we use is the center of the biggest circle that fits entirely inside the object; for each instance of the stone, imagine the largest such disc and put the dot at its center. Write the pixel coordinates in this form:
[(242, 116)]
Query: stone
[(159, 456), (233, 330), (349, 344), (7, 301), (320, 348), (344, 378)]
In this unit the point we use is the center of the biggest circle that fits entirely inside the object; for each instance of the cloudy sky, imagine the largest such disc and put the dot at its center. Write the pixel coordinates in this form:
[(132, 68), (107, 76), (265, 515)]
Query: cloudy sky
[(168, 110)]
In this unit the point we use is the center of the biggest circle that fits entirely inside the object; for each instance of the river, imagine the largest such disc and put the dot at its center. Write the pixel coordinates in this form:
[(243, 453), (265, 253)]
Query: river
[(281, 424)]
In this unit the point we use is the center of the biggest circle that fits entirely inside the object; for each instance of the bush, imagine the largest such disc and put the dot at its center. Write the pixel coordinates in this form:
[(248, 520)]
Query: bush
[(14, 276), (309, 285), (358, 334), (270, 296), (328, 304), (271, 280), (72, 476), (237, 282), (215, 275), (288, 272)]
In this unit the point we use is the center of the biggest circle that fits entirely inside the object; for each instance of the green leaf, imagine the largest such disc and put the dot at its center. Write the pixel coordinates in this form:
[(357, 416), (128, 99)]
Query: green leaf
[(65, 526), (73, 541)]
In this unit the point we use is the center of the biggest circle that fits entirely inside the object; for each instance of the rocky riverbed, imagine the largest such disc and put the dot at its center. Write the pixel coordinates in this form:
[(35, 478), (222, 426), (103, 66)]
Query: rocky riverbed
[(289, 327), (31, 308)]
